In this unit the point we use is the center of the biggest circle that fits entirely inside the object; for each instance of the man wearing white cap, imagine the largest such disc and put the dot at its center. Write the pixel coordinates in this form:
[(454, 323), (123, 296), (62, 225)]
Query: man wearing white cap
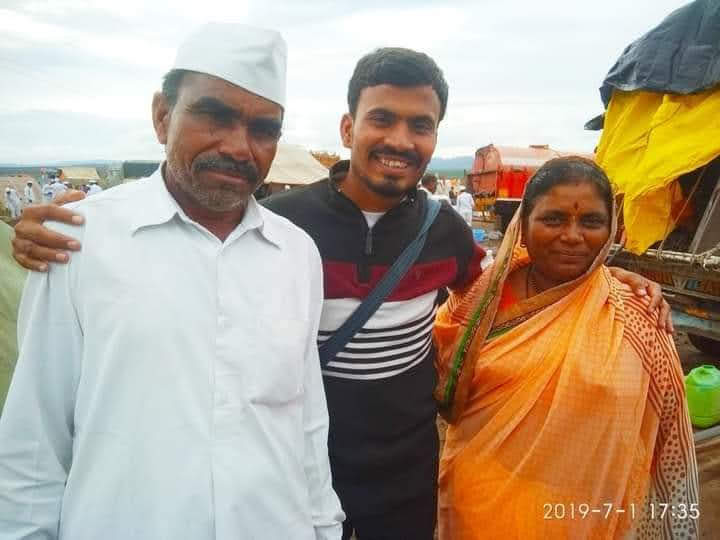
[(159, 393)]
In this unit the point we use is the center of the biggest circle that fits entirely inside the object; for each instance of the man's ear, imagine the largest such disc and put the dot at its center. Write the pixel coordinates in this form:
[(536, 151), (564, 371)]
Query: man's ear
[(346, 130), (161, 110)]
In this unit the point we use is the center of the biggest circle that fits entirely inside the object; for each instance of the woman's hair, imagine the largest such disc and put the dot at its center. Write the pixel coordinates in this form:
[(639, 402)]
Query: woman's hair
[(563, 171)]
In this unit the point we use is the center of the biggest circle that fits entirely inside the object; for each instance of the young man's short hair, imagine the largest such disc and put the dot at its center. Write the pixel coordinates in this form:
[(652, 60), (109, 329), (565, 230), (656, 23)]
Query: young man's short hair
[(398, 67)]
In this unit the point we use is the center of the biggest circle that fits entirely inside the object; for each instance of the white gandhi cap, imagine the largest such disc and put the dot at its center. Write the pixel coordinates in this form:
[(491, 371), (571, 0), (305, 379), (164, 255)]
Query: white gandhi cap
[(249, 57)]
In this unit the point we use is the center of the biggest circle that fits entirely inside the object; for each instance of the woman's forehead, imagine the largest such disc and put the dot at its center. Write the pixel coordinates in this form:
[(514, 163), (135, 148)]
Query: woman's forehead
[(579, 196)]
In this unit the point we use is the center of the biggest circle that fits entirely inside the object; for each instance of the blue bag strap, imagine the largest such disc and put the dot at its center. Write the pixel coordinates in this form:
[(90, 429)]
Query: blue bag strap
[(385, 286)]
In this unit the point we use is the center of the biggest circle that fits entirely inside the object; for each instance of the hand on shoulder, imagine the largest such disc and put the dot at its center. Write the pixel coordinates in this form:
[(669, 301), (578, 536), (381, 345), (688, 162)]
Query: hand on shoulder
[(34, 245)]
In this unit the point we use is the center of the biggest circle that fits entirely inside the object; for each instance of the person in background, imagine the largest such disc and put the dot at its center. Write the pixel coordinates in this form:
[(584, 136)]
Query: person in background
[(453, 196), (465, 205), (93, 188), (29, 195), (58, 187), (428, 184), (13, 203), (47, 190), (153, 403), (568, 410)]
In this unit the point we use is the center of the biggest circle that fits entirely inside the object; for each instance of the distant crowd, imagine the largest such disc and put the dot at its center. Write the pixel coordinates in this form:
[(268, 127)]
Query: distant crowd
[(50, 190)]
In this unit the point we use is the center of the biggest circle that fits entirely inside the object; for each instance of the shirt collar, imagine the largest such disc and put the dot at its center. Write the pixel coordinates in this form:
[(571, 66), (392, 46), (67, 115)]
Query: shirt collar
[(256, 217), (159, 207)]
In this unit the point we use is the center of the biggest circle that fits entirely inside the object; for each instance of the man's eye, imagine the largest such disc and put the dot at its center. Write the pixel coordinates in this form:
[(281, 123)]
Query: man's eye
[(221, 119), (422, 127), (265, 130), (217, 117), (381, 120)]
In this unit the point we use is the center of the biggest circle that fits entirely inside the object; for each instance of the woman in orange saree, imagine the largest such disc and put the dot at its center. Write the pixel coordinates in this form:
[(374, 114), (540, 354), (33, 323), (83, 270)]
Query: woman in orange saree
[(566, 403)]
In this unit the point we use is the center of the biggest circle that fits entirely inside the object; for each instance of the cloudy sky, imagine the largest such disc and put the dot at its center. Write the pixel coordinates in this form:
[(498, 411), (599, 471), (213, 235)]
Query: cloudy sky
[(78, 75)]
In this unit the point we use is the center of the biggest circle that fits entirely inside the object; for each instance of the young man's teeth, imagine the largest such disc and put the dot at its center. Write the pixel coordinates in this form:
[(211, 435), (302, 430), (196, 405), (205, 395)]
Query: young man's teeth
[(394, 164)]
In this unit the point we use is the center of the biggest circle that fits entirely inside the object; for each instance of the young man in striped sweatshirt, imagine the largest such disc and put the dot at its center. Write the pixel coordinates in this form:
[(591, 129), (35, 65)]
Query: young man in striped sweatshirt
[(383, 440)]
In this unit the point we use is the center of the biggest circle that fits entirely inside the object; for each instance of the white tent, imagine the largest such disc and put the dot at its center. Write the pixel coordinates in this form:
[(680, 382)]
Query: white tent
[(79, 175), (294, 166)]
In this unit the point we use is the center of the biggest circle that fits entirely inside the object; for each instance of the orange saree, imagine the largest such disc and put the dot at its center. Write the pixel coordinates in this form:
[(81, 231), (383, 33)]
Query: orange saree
[(567, 409)]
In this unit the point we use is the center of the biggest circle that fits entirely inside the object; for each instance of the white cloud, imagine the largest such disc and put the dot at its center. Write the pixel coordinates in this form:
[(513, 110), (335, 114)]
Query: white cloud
[(520, 72)]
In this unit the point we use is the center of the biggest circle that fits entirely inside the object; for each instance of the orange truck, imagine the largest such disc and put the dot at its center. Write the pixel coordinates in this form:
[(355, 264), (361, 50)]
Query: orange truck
[(501, 172)]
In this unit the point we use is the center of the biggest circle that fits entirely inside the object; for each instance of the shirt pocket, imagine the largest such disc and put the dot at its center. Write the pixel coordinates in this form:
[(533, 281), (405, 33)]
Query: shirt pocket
[(276, 364)]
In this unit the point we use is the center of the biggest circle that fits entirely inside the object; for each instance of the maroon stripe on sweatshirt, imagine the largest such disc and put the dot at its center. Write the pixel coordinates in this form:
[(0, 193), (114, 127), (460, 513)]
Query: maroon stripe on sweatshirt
[(341, 279)]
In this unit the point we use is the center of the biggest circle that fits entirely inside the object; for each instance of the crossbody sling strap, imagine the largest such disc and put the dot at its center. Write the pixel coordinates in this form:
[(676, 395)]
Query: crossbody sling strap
[(361, 315)]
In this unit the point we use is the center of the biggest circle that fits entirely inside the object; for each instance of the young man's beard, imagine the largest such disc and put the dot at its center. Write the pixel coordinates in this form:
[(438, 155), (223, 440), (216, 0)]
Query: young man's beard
[(390, 187)]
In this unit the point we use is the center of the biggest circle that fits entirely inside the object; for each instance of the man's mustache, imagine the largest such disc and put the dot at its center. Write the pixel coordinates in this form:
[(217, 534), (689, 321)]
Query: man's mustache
[(228, 165), (391, 152)]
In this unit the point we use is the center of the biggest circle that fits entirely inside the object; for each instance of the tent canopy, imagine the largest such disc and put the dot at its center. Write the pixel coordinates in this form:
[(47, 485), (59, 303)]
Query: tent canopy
[(79, 175), (295, 166)]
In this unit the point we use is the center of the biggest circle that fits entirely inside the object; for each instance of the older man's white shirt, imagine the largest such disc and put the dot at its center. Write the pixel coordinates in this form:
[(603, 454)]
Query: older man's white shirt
[(168, 384)]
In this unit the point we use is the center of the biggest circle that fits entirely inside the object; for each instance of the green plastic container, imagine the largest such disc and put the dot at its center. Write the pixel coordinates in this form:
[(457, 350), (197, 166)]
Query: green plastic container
[(702, 386)]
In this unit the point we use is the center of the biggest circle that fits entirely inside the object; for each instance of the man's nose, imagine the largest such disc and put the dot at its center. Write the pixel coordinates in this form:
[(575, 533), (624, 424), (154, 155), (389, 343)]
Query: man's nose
[(399, 137), (236, 143)]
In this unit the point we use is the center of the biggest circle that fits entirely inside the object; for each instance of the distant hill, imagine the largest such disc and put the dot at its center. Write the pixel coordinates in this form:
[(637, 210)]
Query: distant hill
[(453, 166)]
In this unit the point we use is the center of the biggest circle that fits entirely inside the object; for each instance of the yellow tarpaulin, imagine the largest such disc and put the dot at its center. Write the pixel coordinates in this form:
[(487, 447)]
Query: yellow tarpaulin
[(648, 141)]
